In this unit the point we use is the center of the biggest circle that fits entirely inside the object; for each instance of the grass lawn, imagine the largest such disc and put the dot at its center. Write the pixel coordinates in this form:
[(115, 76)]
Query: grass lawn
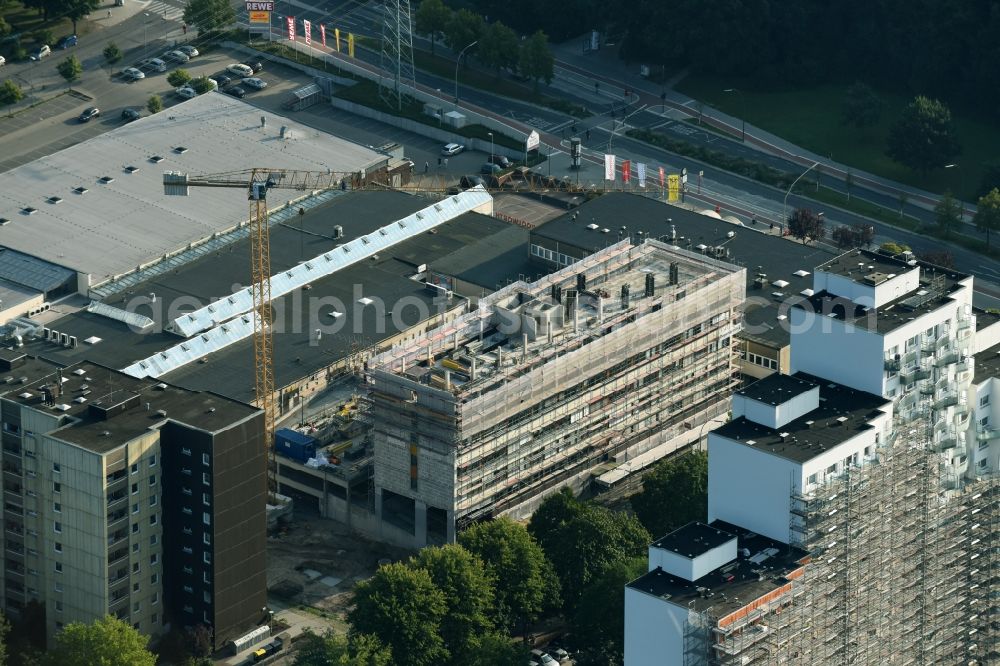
[(811, 118), (26, 21)]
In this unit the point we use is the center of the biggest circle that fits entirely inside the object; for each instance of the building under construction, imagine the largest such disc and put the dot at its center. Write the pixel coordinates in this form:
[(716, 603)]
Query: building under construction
[(624, 353), (875, 553)]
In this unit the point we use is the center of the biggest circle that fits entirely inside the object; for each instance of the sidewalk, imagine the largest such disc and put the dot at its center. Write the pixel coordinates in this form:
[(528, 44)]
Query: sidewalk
[(298, 621), (615, 76)]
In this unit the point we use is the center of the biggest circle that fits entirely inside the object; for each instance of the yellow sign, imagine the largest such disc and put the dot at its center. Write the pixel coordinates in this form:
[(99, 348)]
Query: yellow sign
[(260, 17), (350, 44), (336, 39), (673, 187)]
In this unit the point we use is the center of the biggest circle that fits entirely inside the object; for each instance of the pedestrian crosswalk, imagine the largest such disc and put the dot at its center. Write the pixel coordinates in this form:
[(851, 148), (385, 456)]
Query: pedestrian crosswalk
[(168, 10)]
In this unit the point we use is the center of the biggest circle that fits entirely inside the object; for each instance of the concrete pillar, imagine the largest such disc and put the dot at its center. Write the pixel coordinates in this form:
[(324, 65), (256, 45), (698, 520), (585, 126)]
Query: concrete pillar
[(419, 523), (449, 522)]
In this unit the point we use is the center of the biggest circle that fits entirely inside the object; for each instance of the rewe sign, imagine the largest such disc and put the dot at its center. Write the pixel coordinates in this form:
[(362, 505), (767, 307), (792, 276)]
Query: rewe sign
[(259, 6)]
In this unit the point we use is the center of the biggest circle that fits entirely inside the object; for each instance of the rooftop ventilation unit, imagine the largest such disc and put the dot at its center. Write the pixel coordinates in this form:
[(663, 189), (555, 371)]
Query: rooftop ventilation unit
[(107, 180), (180, 150), (28, 210), (54, 200), (131, 169), (4, 221), (156, 159), (80, 190)]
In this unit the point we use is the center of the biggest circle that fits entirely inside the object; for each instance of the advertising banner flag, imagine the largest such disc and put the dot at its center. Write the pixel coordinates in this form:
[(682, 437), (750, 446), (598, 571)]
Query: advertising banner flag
[(674, 187), (322, 34), (308, 31), (350, 44), (626, 171), (291, 28), (641, 173), (336, 39), (609, 167), (663, 177)]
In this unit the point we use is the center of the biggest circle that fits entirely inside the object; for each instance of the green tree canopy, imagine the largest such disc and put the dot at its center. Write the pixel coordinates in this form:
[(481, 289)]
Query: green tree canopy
[(209, 15), (582, 540), (10, 92), (498, 47), (805, 224), (468, 595), (431, 20), (599, 620), (495, 649), (947, 214), (987, 218), (105, 642), (112, 53), (525, 582), (332, 650), (403, 608), (75, 10), (892, 249), (70, 68), (463, 28), (155, 104), (924, 136), (178, 77), (536, 60), (862, 107), (674, 494)]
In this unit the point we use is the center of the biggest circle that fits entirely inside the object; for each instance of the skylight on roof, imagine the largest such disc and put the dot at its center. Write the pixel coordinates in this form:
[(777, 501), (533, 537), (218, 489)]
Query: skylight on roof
[(54, 200), (28, 210), (80, 190), (107, 180), (131, 169), (4, 221), (801, 273), (364, 300), (180, 150), (156, 159), (780, 284)]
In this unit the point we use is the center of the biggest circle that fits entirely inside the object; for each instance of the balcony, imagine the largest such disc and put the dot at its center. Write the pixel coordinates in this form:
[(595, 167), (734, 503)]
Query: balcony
[(117, 537), (915, 374), (118, 555), (946, 442), (988, 434), (949, 357), (946, 400), (892, 365), (116, 497)]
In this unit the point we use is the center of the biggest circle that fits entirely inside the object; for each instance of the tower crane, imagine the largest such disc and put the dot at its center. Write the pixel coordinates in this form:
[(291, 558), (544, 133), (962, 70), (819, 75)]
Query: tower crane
[(257, 183)]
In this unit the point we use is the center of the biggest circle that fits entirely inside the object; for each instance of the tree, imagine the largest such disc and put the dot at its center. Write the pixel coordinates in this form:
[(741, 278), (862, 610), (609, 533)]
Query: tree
[(108, 642), (332, 650), (862, 107), (525, 582), (112, 53), (599, 621), (497, 650), (892, 249), (805, 225), (674, 494), (498, 47), (463, 28), (856, 235), (10, 92), (536, 60), (943, 258), (431, 19), (5, 28), (947, 214), (178, 77), (200, 640), (987, 216), (990, 179), (924, 137), (75, 10), (403, 608), (70, 68), (201, 85), (209, 15), (155, 104), (4, 630), (468, 595), (582, 540)]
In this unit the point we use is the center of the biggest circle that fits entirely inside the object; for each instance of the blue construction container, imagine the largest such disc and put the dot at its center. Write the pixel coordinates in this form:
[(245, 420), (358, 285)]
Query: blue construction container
[(293, 444)]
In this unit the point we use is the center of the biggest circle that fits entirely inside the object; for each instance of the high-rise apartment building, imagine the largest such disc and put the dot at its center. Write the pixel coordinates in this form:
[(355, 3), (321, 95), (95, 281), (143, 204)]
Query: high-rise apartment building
[(129, 497)]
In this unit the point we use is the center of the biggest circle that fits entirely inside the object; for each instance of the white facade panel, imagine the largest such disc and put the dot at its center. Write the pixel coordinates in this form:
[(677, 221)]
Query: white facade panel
[(775, 416), (692, 568), (842, 353), (654, 630)]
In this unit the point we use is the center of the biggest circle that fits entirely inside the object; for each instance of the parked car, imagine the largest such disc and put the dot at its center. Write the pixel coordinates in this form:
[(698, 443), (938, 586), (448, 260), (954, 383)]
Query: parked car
[(188, 50), (128, 115), (153, 64), (89, 113), (222, 80), (452, 149), (272, 648), (255, 65), (490, 169), (3, 61), (66, 42), (41, 52), (241, 71), (255, 83), (236, 91), (186, 92), (176, 56), (132, 74), (470, 181), (500, 160), (543, 658)]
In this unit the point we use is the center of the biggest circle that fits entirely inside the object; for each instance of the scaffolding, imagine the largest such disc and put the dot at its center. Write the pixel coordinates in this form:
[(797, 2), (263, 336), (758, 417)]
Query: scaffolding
[(902, 569)]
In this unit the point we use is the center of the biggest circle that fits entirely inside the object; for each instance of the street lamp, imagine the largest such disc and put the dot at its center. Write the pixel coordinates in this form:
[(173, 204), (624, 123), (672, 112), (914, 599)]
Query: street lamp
[(492, 152), (743, 99), (784, 205), (458, 61)]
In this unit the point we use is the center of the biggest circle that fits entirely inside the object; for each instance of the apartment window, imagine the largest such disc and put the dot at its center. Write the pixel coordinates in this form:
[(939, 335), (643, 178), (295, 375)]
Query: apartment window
[(58, 587), (58, 547), (152, 460), (188, 589), (135, 548), (983, 445), (135, 609), (135, 567), (206, 539), (206, 557), (154, 579), (59, 606), (186, 510), (186, 491), (135, 625), (152, 519), (57, 507), (135, 488), (188, 551), (206, 499), (188, 609), (206, 518), (135, 508), (153, 540), (985, 421), (57, 526), (56, 487), (152, 479), (154, 559), (831, 469), (186, 451), (205, 460), (186, 471), (985, 400), (983, 463), (152, 618), (188, 570), (155, 599), (135, 528), (152, 500), (205, 478), (135, 587), (205, 578), (206, 597), (59, 626), (56, 467), (135, 468), (58, 567)]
